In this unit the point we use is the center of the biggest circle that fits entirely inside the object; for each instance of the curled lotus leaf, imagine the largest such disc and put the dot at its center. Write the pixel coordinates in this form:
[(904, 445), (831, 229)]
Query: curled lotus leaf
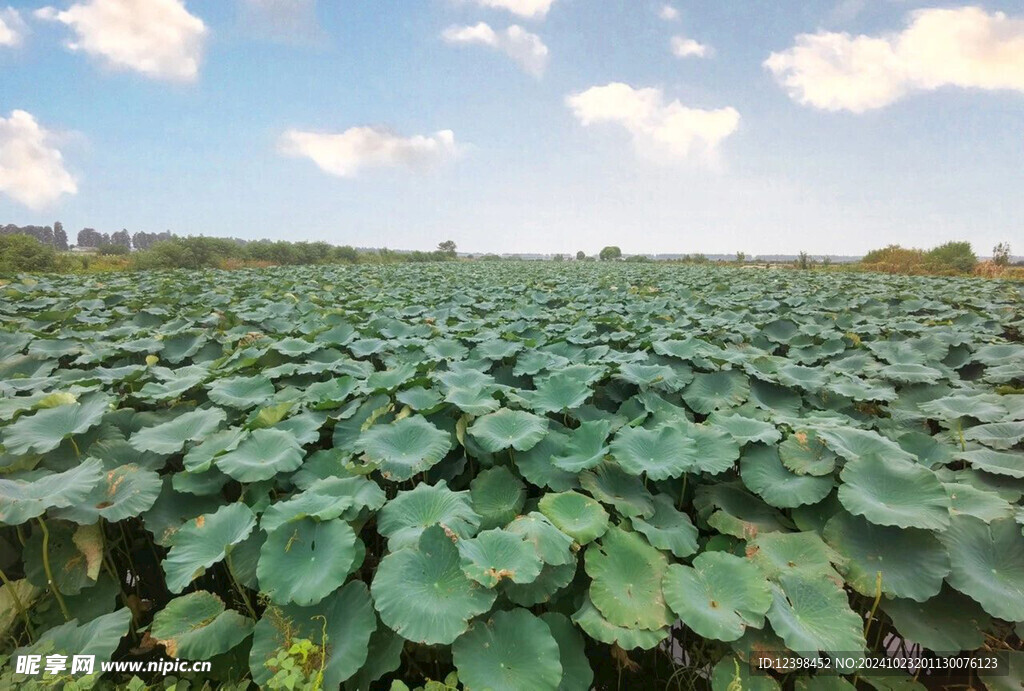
[(811, 613), (497, 496), (204, 541), (763, 473), (576, 672), (405, 448), (197, 626), (716, 391), (987, 564), (45, 429), (405, 517), (590, 619), (261, 456), (948, 622), (24, 499), (508, 429), (170, 437), (668, 529), (892, 491), (577, 515), (241, 392), (496, 555), (585, 448)]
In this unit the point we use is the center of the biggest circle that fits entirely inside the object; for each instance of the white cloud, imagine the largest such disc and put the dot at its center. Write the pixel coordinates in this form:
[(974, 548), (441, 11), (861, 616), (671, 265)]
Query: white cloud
[(533, 9), (657, 127), (668, 13), (286, 21), (158, 38), (31, 169), (12, 28), (527, 49), (964, 47), (683, 47), (346, 154)]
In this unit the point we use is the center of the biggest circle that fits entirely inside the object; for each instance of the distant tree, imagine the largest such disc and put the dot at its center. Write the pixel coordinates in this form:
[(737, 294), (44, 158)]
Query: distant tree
[(741, 257), (121, 238), (447, 247), (1001, 254), (60, 238), (803, 261), (89, 237), (581, 255), (610, 253), (826, 260), (558, 258), (20, 252)]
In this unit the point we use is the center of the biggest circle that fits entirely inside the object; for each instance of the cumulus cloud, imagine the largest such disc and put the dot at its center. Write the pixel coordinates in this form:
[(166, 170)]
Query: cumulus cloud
[(657, 126), (285, 21), (349, 152), (158, 38), (31, 169), (668, 13), (12, 28), (527, 49), (683, 47), (964, 47), (533, 9)]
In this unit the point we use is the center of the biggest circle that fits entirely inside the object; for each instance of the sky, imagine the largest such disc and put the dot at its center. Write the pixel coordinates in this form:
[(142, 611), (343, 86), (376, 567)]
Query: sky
[(551, 126)]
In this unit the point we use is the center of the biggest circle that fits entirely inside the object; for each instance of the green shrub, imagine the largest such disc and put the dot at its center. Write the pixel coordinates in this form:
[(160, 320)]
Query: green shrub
[(24, 253), (957, 256)]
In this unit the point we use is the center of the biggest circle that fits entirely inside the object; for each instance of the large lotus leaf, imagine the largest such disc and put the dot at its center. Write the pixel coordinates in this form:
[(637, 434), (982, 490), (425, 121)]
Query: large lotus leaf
[(912, 562), (21, 500), (44, 430), (946, 623), (498, 496), (588, 618), (423, 595), (199, 458), (384, 655), (204, 541), (495, 555), (806, 553), (745, 430), (764, 474), (341, 624), (806, 378), (610, 484), (305, 561), (719, 596), (263, 454), (998, 435), (576, 515), (911, 373), (349, 430), (732, 510), (732, 675), (241, 392), (576, 672), (949, 408), (100, 637), (585, 448), (971, 501), (508, 428), (557, 393), (196, 626), (74, 554), (987, 564), (404, 518), (404, 448), (537, 467), (805, 454), (716, 450), (173, 509), (509, 651), (124, 492), (661, 453), (552, 580), (709, 392), (668, 529), (626, 575), (551, 544), (891, 491), (170, 437), (811, 614), (852, 443), (1008, 463)]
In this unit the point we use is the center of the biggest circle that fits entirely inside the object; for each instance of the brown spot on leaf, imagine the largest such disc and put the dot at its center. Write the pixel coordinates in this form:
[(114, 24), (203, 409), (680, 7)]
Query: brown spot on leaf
[(201, 521)]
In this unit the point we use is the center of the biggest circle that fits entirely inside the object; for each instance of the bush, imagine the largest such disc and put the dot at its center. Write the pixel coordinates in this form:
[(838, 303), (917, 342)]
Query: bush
[(111, 250), (894, 259), (957, 256), (24, 253)]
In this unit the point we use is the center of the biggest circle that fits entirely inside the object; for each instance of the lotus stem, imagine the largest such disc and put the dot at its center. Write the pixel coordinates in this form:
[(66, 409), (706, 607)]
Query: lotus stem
[(49, 572), (18, 605), (238, 586)]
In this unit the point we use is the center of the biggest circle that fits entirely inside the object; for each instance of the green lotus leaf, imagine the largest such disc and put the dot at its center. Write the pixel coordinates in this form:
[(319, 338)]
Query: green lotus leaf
[(419, 398), (196, 626), (764, 474), (472, 401), (404, 448), (588, 618), (851, 444), (586, 447), (661, 453), (199, 458), (862, 390), (929, 450), (717, 390), (1008, 463), (731, 675), (341, 624), (170, 437), (537, 464), (124, 492), (323, 507), (800, 377), (997, 435), (949, 408), (498, 496), (404, 518), (551, 544), (805, 553), (390, 379), (44, 430), (75, 556), (509, 651), (384, 655), (557, 393), (912, 562), (987, 564), (971, 501), (668, 529), (745, 430), (805, 454), (719, 596), (812, 614), (204, 541), (422, 594), (732, 510), (100, 637), (21, 500), (241, 392), (508, 428), (576, 672), (495, 555), (626, 575), (911, 373), (948, 622), (305, 561), (261, 456), (349, 430), (891, 491), (552, 580), (610, 484), (576, 515)]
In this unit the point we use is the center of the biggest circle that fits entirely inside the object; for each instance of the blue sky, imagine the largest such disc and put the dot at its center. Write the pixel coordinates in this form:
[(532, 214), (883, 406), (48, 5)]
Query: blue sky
[(767, 127)]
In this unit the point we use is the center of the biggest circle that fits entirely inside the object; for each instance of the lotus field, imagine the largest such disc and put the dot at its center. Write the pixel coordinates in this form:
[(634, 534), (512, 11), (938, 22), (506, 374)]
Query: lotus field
[(531, 476)]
